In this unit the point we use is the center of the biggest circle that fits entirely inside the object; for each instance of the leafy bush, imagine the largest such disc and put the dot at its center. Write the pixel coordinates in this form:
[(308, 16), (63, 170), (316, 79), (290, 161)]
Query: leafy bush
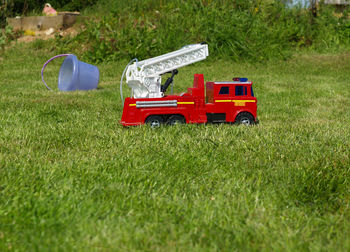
[(331, 30), (7, 35), (255, 30)]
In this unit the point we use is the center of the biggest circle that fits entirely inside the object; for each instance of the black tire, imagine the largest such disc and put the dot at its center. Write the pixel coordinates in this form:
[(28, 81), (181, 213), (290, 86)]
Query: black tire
[(245, 118), (154, 121), (176, 119)]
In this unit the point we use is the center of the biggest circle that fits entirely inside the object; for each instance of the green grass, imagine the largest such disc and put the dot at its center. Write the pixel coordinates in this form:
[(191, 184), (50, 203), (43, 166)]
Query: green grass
[(72, 178)]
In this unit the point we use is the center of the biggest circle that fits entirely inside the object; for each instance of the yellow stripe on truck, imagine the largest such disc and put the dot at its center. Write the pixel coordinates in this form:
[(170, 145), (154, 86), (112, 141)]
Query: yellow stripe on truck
[(185, 102), (234, 100), (222, 100), (132, 104), (243, 100)]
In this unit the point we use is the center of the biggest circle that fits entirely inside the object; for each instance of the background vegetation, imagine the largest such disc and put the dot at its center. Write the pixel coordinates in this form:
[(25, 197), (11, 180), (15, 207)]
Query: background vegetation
[(235, 30)]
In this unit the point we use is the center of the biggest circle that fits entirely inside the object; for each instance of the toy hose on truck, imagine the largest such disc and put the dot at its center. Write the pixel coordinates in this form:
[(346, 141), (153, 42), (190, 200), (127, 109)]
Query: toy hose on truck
[(225, 101)]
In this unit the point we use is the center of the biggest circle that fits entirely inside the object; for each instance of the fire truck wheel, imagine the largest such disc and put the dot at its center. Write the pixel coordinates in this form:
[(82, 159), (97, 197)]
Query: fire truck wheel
[(154, 121), (245, 118), (176, 119)]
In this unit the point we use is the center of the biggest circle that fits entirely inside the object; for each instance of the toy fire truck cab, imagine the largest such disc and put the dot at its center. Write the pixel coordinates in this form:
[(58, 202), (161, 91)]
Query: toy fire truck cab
[(231, 102)]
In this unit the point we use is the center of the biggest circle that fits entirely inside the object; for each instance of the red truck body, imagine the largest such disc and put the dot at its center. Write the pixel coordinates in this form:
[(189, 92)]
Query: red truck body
[(217, 102)]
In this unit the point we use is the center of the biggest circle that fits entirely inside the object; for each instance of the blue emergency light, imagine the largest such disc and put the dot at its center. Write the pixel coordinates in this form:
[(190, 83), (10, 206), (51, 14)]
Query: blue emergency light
[(240, 79)]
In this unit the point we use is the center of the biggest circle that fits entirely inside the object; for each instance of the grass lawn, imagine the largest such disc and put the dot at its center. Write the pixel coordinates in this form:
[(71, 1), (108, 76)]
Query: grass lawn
[(72, 178)]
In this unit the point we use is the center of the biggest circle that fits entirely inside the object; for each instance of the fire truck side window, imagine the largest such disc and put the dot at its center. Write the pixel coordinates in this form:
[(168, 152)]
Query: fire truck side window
[(240, 90), (224, 90)]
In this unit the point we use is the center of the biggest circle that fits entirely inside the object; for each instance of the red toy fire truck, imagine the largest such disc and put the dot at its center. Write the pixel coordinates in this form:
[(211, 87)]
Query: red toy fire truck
[(231, 101)]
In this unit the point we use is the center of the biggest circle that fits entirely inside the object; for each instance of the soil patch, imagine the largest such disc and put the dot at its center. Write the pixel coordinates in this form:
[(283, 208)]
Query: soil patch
[(30, 36)]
